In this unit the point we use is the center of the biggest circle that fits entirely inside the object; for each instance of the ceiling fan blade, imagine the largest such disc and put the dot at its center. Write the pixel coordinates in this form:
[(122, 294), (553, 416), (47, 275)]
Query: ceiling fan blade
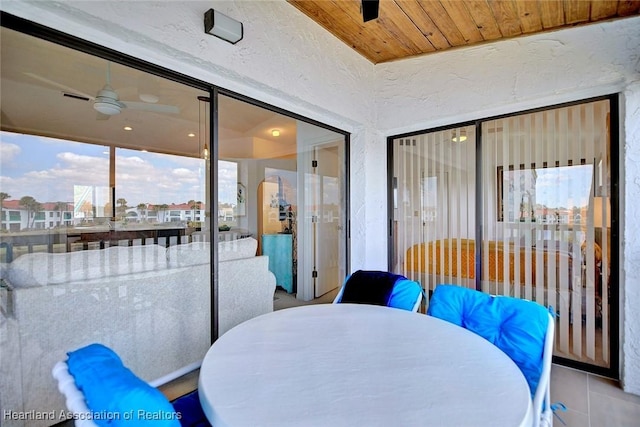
[(156, 108), (59, 85)]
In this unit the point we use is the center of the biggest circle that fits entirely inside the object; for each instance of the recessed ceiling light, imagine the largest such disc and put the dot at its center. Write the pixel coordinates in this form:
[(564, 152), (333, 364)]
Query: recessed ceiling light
[(191, 135), (275, 132), (459, 137), (128, 128)]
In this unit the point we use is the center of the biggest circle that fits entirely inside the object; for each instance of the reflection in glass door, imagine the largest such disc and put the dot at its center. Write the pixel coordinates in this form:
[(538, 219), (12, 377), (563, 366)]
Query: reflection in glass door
[(433, 207), (322, 221), (540, 206), (326, 190), (547, 220), (292, 175), (102, 208)]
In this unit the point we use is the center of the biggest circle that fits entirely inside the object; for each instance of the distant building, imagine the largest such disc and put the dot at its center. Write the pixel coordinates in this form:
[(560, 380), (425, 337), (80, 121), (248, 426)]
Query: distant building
[(16, 217), (182, 212)]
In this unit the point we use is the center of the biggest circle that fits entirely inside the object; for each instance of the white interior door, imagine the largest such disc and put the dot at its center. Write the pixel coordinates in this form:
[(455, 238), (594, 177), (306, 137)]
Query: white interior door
[(321, 231), (328, 221)]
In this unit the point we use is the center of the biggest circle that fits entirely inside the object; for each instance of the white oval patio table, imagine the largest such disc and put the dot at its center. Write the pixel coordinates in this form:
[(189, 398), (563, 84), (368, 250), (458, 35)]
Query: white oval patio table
[(359, 365)]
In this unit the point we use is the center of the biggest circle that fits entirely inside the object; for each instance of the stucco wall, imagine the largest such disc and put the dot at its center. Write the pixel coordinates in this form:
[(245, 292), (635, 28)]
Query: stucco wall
[(288, 61), (284, 59), (630, 226), (536, 71)]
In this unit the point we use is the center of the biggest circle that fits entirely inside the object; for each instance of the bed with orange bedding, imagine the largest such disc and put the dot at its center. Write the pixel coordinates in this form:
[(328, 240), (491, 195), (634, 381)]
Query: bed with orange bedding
[(456, 258)]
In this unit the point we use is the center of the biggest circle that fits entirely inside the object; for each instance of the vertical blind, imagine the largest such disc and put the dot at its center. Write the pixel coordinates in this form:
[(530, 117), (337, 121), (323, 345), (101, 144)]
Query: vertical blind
[(434, 206), (545, 216)]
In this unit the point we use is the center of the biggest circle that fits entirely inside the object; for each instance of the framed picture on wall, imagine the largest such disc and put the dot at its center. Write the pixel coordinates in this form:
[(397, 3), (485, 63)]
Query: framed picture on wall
[(516, 193)]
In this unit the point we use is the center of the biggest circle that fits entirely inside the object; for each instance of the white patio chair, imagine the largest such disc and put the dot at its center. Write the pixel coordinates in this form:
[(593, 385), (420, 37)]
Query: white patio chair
[(523, 329)]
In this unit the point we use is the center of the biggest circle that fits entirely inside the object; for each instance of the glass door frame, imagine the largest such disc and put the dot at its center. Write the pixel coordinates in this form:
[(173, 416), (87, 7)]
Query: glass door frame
[(215, 143), (614, 296), (43, 32)]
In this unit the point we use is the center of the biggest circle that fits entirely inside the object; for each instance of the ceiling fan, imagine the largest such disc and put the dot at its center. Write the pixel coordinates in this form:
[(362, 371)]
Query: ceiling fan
[(107, 102)]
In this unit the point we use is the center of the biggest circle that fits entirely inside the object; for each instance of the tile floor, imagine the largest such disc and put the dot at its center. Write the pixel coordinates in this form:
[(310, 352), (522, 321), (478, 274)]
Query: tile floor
[(592, 401)]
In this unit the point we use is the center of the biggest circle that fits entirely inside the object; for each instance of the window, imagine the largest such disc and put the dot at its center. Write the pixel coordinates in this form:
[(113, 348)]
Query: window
[(547, 195)]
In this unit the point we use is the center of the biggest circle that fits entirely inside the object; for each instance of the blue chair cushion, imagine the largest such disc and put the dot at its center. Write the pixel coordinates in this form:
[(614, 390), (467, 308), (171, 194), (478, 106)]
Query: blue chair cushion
[(516, 326), (405, 293), (116, 396), (191, 412)]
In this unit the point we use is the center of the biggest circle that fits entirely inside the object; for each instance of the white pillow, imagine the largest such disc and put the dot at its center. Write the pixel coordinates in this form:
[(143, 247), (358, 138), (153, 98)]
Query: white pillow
[(195, 253), (40, 269), (237, 249)]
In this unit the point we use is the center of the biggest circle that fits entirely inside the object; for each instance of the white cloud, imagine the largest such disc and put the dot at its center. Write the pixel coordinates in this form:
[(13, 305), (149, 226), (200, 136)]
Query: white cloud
[(48, 170), (8, 152), (57, 183), (155, 179)]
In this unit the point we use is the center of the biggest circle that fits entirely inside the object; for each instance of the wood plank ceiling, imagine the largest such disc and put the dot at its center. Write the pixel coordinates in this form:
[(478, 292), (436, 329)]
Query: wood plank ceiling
[(406, 28)]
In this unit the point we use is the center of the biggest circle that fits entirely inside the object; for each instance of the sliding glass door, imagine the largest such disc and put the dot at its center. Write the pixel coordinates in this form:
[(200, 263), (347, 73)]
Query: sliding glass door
[(282, 181), (433, 206), (98, 203), (111, 168), (547, 220), (535, 190)]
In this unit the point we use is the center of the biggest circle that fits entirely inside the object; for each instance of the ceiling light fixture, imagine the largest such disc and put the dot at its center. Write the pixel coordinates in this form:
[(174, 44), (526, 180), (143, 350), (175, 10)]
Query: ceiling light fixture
[(106, 103), (191, 135), (203, 103), (220, 25), (127, 128), (459, 136), (275, 132)]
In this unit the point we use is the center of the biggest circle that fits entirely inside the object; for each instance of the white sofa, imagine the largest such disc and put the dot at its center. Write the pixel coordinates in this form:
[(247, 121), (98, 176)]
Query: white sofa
[(150, 304)]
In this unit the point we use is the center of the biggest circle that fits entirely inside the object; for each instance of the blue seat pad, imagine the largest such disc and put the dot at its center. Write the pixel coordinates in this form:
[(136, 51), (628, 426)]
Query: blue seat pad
[(516, 326), (114, 394), (405, 294)]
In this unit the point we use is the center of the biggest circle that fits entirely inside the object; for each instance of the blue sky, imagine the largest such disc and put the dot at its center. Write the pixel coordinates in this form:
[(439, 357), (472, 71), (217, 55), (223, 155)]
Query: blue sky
[(558, 187), (49, 169), (564, 187)]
